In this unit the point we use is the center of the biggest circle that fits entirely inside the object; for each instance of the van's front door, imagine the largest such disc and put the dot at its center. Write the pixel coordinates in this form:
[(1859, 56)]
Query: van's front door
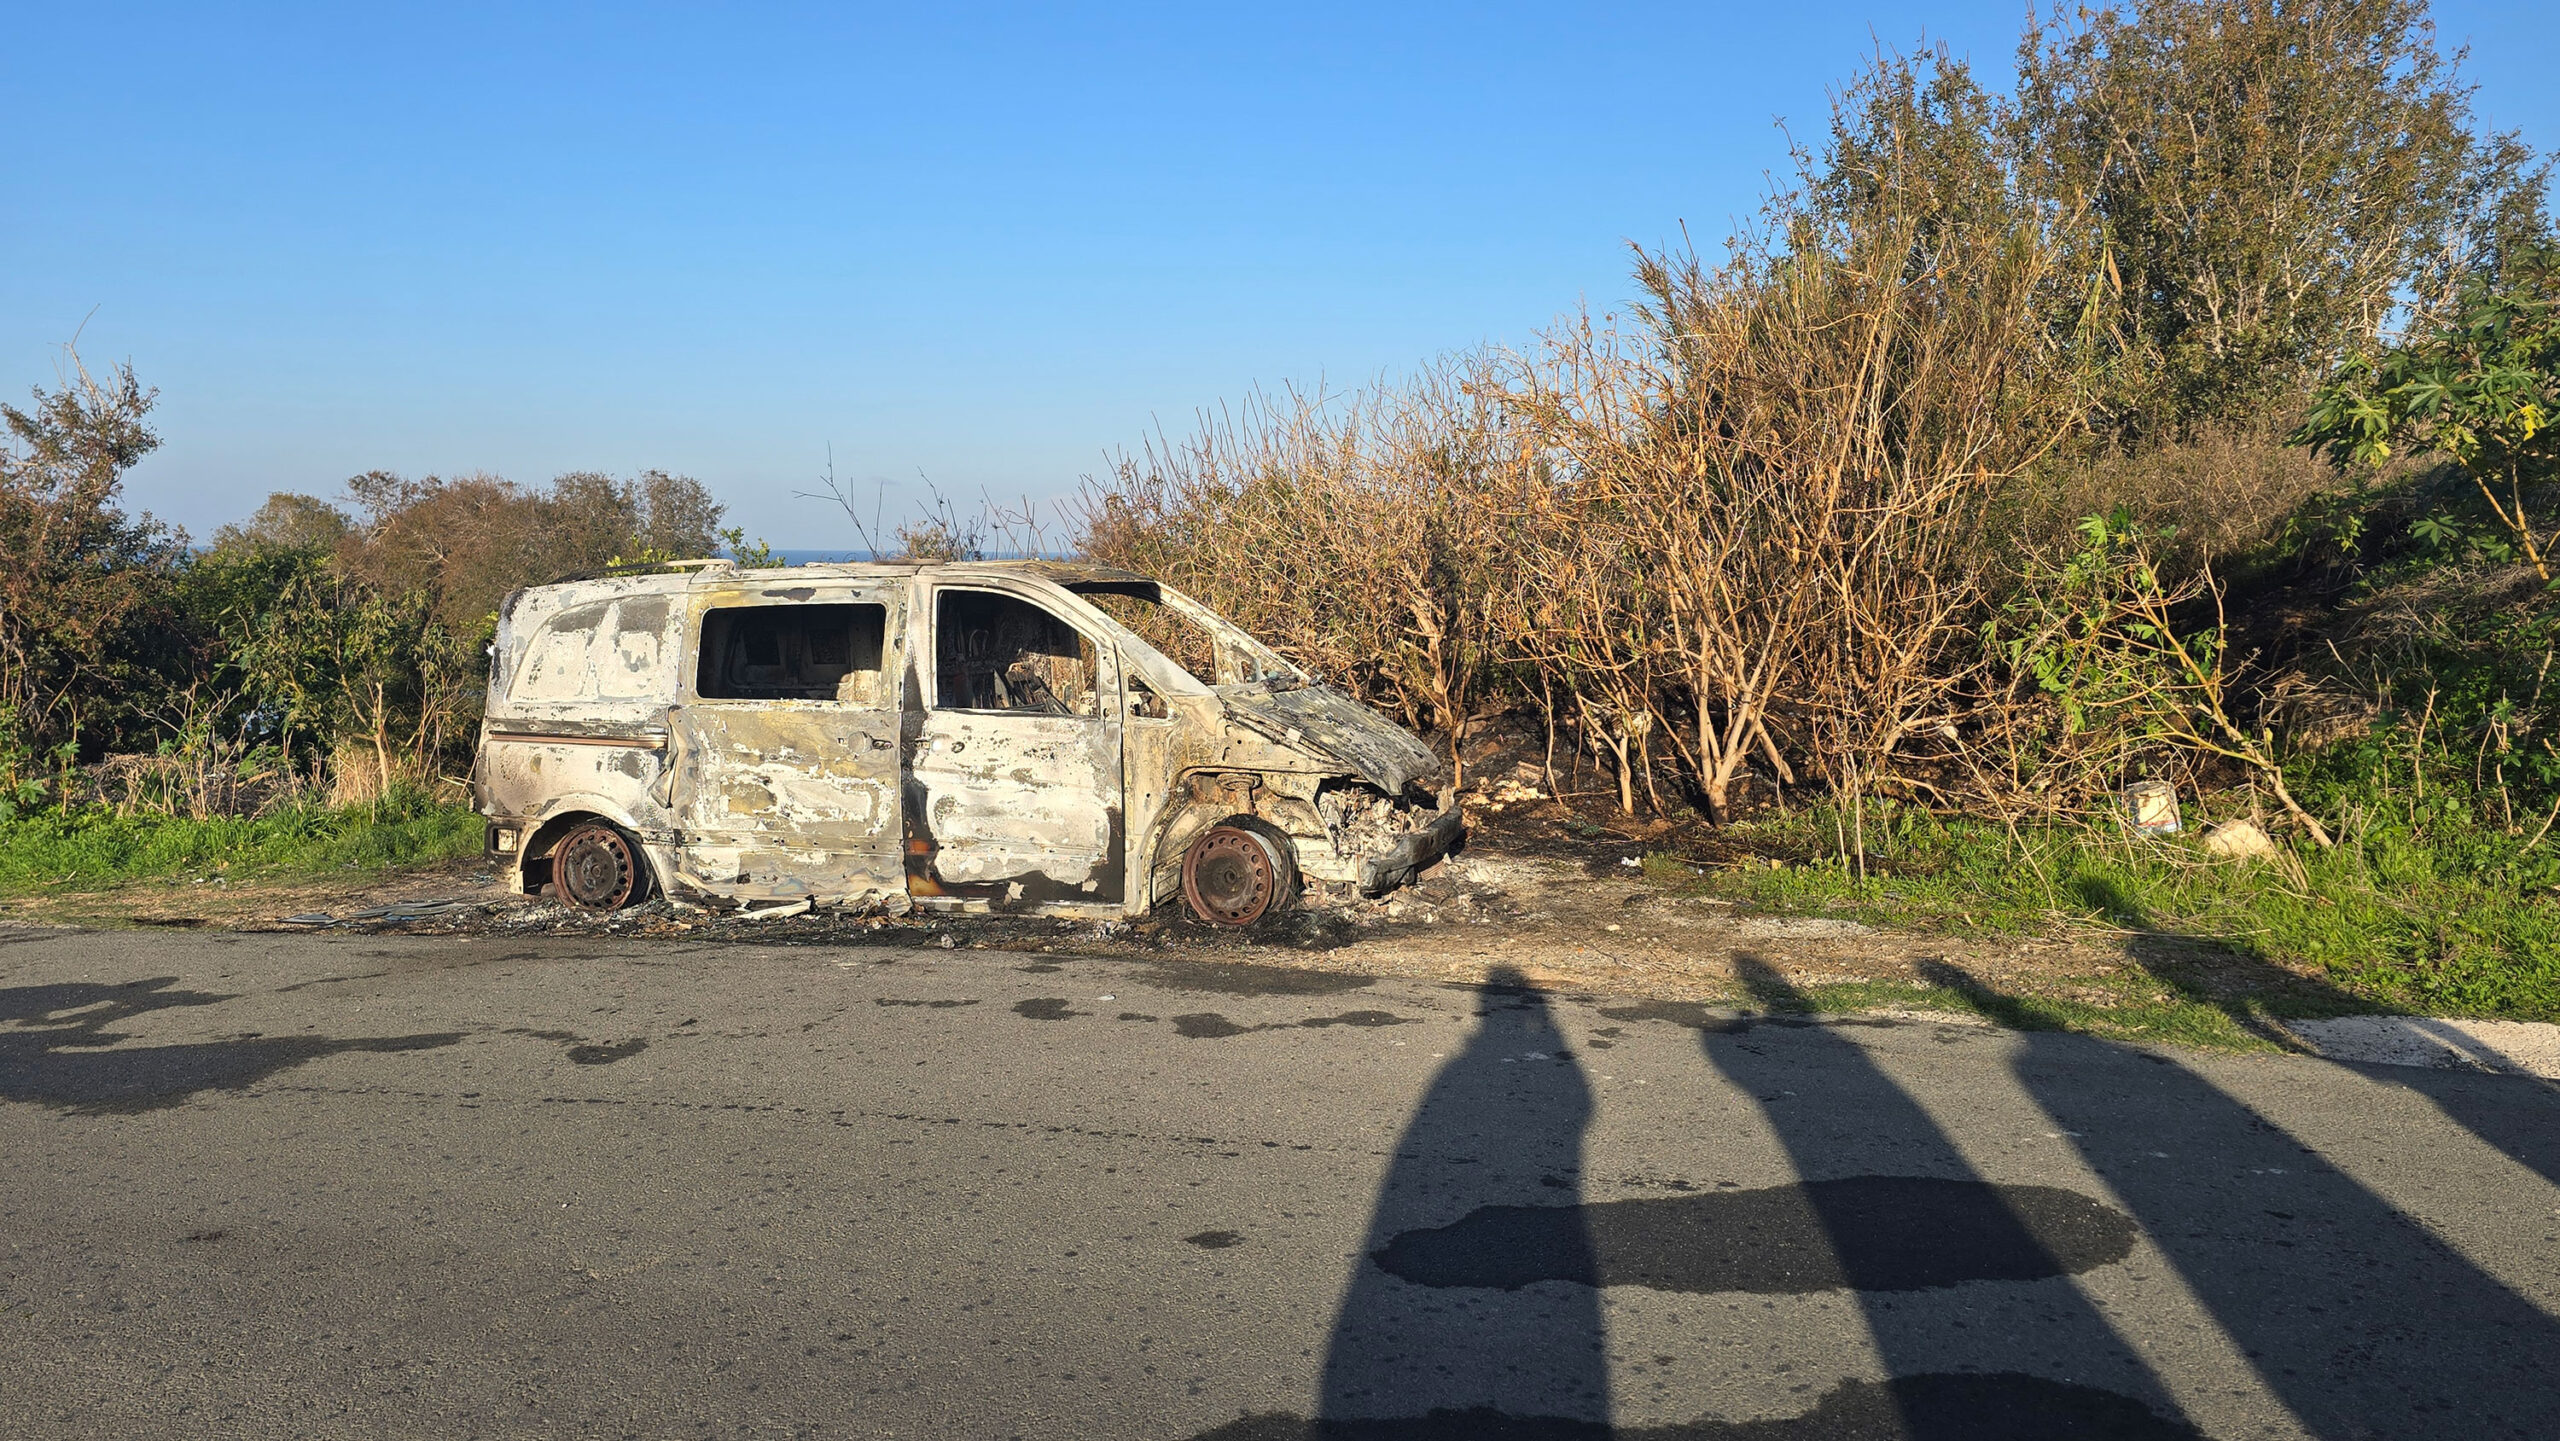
[(1014, 758), (786, 744)]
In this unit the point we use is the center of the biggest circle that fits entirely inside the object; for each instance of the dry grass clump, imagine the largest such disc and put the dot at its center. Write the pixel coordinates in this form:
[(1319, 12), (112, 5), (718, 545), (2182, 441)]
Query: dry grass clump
[(2227, 490)]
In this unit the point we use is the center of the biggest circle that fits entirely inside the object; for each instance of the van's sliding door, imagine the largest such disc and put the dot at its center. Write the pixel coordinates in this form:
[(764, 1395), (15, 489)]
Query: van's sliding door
[(1015, 760), (786, 749)]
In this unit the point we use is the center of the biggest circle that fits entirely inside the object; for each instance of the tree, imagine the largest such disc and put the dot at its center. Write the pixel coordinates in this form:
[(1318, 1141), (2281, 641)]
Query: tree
[(464, 543), (2482, 390), (2267, 181), (84, 587), (287, 521)]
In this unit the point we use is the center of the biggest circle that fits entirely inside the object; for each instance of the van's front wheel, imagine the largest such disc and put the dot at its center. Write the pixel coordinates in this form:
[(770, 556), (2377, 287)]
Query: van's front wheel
[(596, 868), (1234, 875)]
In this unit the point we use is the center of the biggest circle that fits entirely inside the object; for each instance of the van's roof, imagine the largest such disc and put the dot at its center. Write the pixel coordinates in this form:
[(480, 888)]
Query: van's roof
[(1062, 572), (726, 573)]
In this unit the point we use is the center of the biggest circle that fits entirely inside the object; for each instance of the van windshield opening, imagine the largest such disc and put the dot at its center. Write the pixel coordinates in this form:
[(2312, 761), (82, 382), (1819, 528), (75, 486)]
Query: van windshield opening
[(1208, 653)]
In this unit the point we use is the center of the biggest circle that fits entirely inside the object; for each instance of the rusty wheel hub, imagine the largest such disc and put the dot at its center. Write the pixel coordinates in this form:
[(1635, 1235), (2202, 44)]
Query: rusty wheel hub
[(594, 868), (1231, 876)]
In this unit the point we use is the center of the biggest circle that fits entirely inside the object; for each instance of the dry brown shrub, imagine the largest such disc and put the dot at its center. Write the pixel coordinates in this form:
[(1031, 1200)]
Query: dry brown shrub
[(2226, 491), (1785, 472), (1746, 526), (219, 781), (1344, 530)]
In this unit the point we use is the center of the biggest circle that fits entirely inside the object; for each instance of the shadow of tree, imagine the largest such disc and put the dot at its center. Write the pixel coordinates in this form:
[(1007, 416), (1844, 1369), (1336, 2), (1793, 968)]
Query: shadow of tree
[(1863, 1120), (1474, 1312), (2253, 992), (58, 1049)]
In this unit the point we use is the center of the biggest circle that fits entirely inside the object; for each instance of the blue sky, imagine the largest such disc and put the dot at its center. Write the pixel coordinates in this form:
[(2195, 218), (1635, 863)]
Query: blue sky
[(986, 245)]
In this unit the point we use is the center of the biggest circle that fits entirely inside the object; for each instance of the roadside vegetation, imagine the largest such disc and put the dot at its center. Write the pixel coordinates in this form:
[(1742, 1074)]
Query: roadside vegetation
[(2435, 915), (2179, 417), (89, 848), (2182, 416)]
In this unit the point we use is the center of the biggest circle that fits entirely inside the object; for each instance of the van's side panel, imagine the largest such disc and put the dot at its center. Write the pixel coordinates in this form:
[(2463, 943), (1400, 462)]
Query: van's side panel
[(576, 716)]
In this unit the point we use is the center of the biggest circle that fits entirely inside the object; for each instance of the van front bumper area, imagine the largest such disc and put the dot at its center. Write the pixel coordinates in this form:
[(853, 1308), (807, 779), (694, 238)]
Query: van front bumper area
[(1413, 853)]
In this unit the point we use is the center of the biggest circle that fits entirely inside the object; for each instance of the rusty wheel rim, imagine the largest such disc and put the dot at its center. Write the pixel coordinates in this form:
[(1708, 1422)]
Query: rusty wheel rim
[(1229, 876), (595, 869)]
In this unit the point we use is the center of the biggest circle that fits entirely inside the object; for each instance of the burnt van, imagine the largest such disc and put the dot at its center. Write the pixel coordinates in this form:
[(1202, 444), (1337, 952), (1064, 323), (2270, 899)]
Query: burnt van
[(1021, 736)]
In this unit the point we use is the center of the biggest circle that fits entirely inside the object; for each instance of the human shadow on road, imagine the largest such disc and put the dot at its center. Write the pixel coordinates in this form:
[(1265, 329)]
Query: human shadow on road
[(55, 1048), (1500, 1131), (2360, 1319), (1473, 1312), (1501, 1125), (2518, 1115), (1847, 1127)]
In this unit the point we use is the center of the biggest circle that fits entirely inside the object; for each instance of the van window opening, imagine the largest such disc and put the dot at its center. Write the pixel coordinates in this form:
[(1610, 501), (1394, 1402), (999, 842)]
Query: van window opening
[(793, 652), (999, 653), (1144, 703), (1205, 655)]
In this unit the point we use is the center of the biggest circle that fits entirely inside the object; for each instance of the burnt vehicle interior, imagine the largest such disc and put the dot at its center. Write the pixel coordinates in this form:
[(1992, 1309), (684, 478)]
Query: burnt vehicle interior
[(800, 652), (998, 653)]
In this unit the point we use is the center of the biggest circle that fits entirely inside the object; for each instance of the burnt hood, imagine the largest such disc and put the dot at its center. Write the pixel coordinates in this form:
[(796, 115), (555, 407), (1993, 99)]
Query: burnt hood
[(1326, 723)]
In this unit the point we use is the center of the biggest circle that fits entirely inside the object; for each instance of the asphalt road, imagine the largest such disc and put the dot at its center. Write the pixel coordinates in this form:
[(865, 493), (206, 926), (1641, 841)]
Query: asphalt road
[(387, 1186)]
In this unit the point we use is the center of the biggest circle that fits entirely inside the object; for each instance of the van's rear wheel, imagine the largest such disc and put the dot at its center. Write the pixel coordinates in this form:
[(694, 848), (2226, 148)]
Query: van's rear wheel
[(1234, 875), (596, 868)]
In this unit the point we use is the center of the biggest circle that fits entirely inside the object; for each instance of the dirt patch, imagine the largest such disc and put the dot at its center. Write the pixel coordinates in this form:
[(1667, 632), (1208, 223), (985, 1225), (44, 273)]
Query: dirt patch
[(222, 902)]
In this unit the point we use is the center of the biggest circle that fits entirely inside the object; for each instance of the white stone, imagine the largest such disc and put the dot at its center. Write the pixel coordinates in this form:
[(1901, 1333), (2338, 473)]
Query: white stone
[(2240, 840)]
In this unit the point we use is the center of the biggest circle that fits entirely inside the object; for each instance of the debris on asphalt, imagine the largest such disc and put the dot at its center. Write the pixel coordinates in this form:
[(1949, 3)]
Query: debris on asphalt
[(799, 907), (397, 913)]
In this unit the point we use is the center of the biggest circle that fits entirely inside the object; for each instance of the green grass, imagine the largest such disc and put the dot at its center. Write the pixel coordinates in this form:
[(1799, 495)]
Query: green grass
[(90, 849), (2433, 909)]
